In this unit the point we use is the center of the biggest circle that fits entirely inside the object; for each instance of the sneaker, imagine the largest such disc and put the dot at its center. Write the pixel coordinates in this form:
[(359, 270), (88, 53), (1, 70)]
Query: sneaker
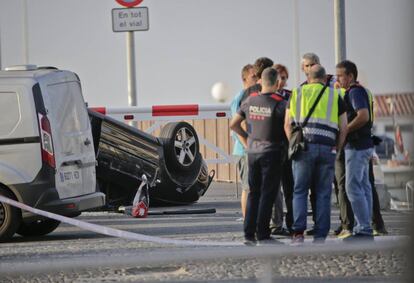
[(281, 232), (250, 241), (359, 238), (241, 219), (379, 232), (269, 241), (297, 238), (345, 233), (310, 232), (338, 230)]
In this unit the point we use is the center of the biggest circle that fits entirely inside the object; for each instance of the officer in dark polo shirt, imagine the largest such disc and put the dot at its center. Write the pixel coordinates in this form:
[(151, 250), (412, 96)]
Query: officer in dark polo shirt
[(264, 115)]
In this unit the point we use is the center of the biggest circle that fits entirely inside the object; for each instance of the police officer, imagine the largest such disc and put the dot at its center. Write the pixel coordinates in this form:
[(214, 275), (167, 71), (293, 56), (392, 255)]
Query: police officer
[(358, 150), (308, 61), (276, 223), (324, 134), (264, 114)]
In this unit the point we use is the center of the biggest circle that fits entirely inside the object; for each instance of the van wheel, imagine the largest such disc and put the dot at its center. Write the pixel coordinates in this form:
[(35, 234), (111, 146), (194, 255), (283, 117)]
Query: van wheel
[(181, 146), (10, 217), (38, 228)]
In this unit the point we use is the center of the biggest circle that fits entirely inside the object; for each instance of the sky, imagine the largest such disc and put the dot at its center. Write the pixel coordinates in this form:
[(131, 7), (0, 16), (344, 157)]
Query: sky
[(192, 44)]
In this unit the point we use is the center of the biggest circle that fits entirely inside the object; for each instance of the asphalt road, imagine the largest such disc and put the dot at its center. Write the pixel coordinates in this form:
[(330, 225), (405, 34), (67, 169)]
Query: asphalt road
[(71, 254)]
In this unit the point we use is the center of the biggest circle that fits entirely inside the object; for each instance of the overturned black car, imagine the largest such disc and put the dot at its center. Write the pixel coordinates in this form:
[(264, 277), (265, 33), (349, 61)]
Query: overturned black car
[(174, 168)]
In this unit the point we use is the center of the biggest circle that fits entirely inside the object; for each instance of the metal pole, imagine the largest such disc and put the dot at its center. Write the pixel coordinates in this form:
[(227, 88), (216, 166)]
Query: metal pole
[(340, 35), (25, 34), (296, 52), (0, 49), (132, 90)]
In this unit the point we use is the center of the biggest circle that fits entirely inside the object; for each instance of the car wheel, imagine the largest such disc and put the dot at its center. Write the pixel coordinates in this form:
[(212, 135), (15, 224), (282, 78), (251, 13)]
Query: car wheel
[(181, 146), (38, 228), (10, 217)]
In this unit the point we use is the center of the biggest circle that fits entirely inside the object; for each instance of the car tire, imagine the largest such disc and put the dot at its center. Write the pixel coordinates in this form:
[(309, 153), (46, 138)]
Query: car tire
[(10, 217), (38, 228), (181, 146)]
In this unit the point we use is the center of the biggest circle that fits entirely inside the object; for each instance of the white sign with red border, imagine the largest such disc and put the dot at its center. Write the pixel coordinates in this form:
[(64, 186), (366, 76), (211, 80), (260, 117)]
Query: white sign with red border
[(130, 19), (129, 3)]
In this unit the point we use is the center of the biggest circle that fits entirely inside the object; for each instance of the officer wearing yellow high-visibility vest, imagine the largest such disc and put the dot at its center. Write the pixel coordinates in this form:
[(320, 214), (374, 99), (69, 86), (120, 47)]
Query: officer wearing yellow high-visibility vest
[(324, 134)]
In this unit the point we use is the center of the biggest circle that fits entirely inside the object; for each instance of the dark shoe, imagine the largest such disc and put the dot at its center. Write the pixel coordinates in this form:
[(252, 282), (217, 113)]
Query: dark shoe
[(268, 241), (250, 241), (310, 232), (297, 239), (359, 238), (338, 230), (281, 232)]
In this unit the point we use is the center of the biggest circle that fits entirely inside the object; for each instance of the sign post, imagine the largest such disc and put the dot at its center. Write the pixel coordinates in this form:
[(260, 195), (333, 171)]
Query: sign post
[(340, 33), (129, 20)]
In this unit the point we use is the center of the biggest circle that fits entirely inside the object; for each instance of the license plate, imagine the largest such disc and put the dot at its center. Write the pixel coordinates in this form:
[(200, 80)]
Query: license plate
[(70, 175)]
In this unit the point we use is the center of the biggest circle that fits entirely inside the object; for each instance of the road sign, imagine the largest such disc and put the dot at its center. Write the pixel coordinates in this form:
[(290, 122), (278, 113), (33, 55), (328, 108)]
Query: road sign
[(130, 19), (129, 3)]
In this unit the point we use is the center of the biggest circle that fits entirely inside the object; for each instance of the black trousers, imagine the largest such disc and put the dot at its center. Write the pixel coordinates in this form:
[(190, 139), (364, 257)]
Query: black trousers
[(264, 178), (346, 215), (287, 186), (377, 221)]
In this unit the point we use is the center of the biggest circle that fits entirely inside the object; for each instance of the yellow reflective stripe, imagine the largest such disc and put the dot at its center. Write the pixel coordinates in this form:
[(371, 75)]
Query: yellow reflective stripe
[(330, 104), (292, 104), (342, 92), (371, 104), (298, 104)]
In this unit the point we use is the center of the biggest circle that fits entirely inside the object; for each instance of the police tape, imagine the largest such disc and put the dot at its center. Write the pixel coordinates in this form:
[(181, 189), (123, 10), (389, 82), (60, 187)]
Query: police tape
[(385, 240), (111, 231)]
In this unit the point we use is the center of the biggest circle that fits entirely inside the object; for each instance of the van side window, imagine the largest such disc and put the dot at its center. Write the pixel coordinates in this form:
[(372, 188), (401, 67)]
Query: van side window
[(9, 106)]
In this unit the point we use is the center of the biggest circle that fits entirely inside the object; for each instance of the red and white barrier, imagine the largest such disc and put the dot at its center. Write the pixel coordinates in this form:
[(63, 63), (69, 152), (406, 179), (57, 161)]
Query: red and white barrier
[(166, 112)]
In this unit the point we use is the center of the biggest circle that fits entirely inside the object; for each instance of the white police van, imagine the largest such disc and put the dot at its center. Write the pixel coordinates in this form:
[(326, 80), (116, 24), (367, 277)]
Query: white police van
[(47, 157)]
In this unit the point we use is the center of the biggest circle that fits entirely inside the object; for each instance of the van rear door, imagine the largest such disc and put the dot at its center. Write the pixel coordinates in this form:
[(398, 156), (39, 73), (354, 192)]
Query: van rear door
[(72, 138)]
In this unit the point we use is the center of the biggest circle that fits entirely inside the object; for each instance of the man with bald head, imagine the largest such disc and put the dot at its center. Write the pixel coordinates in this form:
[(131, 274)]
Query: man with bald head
[(324, 134)]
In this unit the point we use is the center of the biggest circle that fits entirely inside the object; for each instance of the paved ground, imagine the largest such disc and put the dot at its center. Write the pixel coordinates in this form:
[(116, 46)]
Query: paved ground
[(73, 255)]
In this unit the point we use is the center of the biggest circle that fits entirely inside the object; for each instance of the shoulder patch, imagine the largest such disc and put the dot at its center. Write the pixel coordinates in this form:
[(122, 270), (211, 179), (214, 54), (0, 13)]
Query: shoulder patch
[(276, 97)]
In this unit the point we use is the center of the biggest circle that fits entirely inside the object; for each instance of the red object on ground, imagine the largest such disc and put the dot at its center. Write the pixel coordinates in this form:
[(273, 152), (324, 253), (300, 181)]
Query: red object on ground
[(140, 210)]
